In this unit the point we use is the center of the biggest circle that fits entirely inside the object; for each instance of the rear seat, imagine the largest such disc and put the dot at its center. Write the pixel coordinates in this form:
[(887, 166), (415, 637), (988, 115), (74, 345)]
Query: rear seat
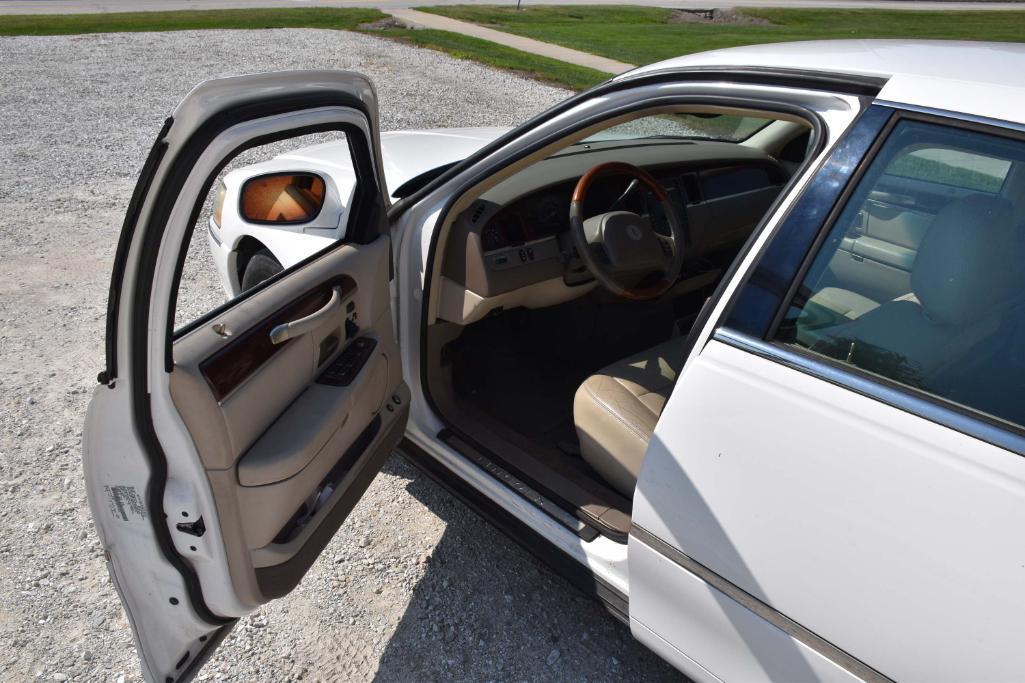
[(843, 302)]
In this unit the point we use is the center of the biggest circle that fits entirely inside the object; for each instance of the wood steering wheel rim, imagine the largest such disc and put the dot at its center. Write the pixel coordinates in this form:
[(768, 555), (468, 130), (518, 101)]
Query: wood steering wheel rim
[(576, 221)]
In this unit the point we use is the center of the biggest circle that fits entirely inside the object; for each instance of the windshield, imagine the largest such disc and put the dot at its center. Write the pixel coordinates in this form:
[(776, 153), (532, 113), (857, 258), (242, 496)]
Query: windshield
[(720, 127)]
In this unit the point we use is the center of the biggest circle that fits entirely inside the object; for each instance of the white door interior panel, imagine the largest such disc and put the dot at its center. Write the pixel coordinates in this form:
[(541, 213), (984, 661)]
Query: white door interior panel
[(890, 536)]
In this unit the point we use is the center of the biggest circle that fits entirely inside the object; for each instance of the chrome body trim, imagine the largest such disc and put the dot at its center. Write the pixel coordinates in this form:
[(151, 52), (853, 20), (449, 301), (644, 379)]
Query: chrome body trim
[(808, 638), (952, 115)]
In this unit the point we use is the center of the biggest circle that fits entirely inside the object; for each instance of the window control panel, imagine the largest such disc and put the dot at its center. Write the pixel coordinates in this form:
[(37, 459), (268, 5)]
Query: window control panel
[(349, 362)]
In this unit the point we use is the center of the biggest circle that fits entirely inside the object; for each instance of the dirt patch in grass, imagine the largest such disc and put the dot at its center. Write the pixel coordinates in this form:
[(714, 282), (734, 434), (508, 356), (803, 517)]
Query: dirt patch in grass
[(714, 16), (383, 24)]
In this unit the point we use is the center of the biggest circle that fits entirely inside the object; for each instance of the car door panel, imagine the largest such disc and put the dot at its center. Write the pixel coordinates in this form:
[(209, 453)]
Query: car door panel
[(885, 253), (871, 271), (713, 636), (281, 564), (898, 219), (239, 358), (310, 424), (870, 519), (827, 544), (220, 459)]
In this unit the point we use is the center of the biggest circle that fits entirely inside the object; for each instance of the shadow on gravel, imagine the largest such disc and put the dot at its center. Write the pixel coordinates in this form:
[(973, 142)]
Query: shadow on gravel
[(488, 610)]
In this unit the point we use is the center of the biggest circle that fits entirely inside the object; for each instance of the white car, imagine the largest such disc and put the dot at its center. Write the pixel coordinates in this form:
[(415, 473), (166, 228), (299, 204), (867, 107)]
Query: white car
[(735, 341)]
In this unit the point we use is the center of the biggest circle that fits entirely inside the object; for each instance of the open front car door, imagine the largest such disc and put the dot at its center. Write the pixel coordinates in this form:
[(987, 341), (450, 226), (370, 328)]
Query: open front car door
[(221, 457)]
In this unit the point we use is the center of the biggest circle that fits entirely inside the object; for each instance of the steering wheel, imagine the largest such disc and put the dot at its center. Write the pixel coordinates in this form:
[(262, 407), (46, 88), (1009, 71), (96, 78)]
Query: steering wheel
[(620, 248)]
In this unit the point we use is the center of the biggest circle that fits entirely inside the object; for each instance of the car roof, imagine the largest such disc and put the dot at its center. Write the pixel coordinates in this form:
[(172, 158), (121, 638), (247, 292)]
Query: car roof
[(977, 78)]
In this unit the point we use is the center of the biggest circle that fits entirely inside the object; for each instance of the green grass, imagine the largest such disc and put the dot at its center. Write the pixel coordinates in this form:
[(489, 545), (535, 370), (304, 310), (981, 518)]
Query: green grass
[(640, 35), (637, 35), (65, 24)]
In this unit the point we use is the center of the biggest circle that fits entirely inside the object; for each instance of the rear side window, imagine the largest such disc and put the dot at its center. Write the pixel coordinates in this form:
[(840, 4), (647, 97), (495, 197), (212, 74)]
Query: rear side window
[(920, 279)]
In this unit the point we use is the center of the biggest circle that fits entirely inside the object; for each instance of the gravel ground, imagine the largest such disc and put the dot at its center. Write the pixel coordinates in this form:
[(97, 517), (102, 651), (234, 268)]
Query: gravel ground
[(439, 595)]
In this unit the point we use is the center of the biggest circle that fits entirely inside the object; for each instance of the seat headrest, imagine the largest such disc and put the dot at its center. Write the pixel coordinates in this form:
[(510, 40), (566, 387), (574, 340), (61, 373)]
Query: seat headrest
[(967, 260)]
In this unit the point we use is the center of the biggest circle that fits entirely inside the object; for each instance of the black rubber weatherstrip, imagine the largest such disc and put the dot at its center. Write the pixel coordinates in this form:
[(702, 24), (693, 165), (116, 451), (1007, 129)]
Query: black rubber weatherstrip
[(203, 653), (163, 203), (155, 504), (124, 242), (529, 539), (416, 182), (809, 79)]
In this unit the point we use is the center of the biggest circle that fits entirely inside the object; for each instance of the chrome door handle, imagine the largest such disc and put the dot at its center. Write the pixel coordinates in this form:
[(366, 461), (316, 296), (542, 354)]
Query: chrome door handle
[(297, 328)]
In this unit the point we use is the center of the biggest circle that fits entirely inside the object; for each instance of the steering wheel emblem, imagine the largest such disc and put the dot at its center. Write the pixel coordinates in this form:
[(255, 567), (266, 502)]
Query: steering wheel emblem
[(634, 232)]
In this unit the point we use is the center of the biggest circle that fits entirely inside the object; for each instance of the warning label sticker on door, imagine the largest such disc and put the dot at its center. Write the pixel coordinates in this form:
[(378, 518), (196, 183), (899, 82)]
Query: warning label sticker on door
[(125, 502)]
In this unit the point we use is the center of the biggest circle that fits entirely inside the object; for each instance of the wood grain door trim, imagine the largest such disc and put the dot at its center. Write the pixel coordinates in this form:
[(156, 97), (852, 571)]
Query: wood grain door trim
[(232, 364)]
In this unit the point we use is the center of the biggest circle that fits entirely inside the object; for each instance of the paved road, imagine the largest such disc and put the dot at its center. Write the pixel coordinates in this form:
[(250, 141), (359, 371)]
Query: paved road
[(66, 6)]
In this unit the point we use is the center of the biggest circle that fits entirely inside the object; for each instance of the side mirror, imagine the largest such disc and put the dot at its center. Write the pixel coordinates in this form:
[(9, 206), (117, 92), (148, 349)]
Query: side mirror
[(282, 198)]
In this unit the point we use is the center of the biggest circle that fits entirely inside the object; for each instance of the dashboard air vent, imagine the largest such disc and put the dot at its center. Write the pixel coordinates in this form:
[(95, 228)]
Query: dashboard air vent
[(478, 212)]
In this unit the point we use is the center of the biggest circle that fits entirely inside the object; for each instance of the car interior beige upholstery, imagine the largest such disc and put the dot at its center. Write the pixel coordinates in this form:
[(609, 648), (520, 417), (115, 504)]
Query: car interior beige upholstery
[(875, 258), (843, 302), (514, 311), (963, 278), (615, 411), (263, 476)]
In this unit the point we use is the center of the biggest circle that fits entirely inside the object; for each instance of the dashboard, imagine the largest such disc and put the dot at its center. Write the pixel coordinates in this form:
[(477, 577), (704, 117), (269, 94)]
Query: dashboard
[(516, 235), (545, 213)]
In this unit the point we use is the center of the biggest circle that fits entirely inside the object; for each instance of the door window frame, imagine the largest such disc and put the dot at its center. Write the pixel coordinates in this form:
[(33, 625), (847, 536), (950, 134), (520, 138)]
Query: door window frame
[(752, 317), (360, 227), (149, 208)]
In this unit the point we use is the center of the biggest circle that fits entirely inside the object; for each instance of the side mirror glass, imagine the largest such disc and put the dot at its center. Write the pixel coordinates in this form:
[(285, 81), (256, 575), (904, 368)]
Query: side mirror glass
[(282, 198)]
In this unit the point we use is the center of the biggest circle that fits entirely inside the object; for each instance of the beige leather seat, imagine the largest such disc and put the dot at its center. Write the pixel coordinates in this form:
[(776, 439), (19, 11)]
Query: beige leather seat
[(615, 411), (963, 279), (844, 302)]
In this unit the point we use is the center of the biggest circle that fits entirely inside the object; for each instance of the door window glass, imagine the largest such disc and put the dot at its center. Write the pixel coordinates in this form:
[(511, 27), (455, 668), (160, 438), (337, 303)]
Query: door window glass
[(269, 208), (919, 281), (687, 126)]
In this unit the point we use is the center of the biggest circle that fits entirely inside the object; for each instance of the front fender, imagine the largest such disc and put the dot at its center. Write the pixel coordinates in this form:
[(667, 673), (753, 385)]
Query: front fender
[(289, 247)]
